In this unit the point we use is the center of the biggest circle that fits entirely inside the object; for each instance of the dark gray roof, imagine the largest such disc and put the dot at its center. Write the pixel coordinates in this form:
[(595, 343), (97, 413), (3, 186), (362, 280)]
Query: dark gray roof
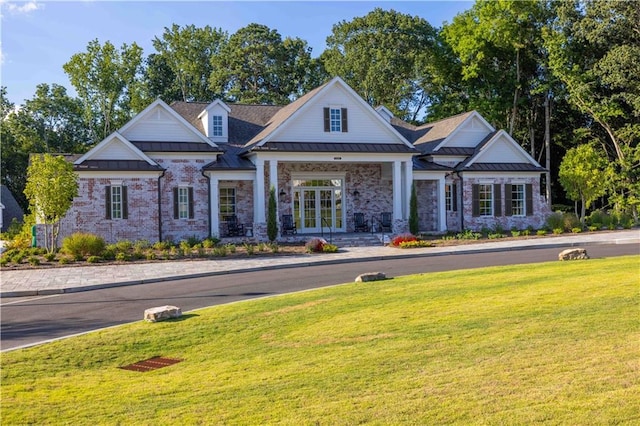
[(230, 160), (423, 165), (116, 165), (501, 167), (11, 208), (453, 151), (383, 148), (146, 146)]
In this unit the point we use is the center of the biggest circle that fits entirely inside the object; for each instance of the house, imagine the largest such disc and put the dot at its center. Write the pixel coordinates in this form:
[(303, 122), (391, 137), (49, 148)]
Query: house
[(10, 209), (180, 170)]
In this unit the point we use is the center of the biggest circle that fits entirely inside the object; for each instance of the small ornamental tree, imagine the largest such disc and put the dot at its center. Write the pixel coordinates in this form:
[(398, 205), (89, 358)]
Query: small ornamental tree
[(51, 186), (583, 175), (272, 220), (414, 226)]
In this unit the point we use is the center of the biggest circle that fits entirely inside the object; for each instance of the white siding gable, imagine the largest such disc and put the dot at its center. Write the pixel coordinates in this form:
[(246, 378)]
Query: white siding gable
[(469, 134), (158, 125), (502, 149), (365, 125), (115, 147), (216, 108)]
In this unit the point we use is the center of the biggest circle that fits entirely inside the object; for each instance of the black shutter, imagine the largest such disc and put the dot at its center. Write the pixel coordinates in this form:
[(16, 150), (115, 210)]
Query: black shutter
[(176, 211), (344, 120), (508, 208), (125, 204), (475, 200), (529, 199), (497, 200), (190, 202), (327, 122), (454, 197), (107, 199)]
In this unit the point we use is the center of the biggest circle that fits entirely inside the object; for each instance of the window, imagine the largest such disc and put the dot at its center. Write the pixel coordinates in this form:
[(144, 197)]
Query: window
[(517, 199), (485, 197), (227, 202), (451, 197), (183, 202), (217, 125), (116, 202), (335, 119)]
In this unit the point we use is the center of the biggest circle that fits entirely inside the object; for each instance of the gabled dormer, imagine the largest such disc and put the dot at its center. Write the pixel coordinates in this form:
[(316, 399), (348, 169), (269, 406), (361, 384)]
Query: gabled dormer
[(215, 121), (385, 113)]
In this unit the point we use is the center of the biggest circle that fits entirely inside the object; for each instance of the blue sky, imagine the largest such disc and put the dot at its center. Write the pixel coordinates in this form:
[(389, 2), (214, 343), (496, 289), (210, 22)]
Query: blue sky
[(38, 37)]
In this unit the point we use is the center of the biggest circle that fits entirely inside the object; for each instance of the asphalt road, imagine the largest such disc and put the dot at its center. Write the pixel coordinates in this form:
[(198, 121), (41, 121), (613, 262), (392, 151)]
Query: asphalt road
[(34, 320)]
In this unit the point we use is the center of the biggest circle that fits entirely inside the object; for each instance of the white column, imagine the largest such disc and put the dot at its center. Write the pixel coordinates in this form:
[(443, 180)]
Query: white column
[(258, 193), (442, 208), (215, 206), (397, 190), (273, 182), (408, 178)]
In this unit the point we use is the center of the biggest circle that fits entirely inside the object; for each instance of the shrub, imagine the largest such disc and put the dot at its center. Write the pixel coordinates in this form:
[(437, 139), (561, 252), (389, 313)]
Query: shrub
[(558, 231), (468, 234), (329, 248), (81, 245), (515, 233), (541, 232), (594, 228), (314, 245), (397, 240), (122, 257), (209, 242), (4, 261), (248, 248), (261, 247), (123, 246), (162, 245), (498, 229), (64, 260), (50, 257), (193, 240), (18, 258), (274, 247), (150, 255), (94, 259), (495, 236), (571, 221), (555, 221), (137, 254), (597, 217), (141, 245), (415, 244), (220, 251), (576, 230), (231, 248), (34, 261)]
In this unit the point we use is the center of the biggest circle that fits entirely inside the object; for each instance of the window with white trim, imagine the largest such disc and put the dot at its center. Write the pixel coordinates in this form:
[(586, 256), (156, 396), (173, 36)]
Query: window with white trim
[(450, 197), (216, 125), (485, 198), (335, 119), (183, 202), (518, 200), (227, 201), (116, 202)]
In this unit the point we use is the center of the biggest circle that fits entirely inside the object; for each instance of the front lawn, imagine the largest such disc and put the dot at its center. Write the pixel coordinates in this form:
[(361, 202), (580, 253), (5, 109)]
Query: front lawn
[(553, 343)]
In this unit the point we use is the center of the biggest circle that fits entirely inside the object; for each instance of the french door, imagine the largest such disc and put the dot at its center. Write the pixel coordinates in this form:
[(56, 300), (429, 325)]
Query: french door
[(318, 204)]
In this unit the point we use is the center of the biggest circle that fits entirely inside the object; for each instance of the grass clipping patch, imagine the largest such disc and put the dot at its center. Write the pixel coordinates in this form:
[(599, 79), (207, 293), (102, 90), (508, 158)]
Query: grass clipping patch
[(555, 342)]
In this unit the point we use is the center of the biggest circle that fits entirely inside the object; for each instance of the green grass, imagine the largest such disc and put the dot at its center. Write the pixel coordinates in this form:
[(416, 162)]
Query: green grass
[(554, 343)]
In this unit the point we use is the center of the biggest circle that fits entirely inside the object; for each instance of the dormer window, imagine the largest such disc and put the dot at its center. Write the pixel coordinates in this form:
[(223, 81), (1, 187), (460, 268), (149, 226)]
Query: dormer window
[(216, 125), (335, 119)]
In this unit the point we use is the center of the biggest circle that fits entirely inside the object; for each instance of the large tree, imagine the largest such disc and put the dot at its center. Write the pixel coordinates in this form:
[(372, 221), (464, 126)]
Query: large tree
[(594, 49), (257, 66), (51, 186), (183, 63), (104, 77), (387, 57)]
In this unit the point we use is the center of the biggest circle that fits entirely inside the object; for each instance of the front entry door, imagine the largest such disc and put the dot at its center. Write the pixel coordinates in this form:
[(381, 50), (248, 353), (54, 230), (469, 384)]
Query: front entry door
[(319, 207)]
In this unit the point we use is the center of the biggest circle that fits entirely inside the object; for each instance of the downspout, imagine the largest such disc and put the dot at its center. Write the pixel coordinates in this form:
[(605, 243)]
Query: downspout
[(461, 206), (209, 199), (160, 207)]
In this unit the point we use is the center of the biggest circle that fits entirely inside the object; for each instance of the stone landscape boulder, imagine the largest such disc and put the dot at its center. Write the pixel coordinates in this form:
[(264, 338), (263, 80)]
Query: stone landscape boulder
[(371, 276), (161, 313), (573, 254)]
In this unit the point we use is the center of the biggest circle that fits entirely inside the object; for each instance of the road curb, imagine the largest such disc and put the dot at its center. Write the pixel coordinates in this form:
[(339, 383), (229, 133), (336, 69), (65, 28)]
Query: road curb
[(78, 289)]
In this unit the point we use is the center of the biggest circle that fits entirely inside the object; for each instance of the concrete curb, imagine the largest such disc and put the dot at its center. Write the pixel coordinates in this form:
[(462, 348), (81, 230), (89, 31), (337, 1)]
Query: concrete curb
[(77, 289)]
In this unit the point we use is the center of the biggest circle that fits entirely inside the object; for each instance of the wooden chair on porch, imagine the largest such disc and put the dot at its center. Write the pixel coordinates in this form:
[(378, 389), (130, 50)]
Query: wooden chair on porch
[(385, 222), (360, 224), (288, 225), (234, 229)]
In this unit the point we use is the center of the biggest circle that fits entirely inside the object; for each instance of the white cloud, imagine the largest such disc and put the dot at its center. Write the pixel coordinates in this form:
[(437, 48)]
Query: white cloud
[(21, 8)]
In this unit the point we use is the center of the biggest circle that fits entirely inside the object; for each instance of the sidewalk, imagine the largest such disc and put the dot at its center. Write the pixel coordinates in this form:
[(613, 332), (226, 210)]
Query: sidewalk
[(35, 282)]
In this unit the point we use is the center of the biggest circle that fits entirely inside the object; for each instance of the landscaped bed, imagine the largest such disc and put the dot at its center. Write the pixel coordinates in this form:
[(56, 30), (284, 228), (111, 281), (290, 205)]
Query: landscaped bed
[(550, 343)]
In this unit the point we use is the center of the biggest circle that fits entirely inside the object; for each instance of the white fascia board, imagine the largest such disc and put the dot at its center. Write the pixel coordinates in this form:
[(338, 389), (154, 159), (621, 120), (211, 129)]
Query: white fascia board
[(118, 174), (172, 112), (212, 104), (499, 175), (106, 141), (525, 156), (452, 135), (231, 174), (431, 175), (184, 156), (333, 157), (365, 106)]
